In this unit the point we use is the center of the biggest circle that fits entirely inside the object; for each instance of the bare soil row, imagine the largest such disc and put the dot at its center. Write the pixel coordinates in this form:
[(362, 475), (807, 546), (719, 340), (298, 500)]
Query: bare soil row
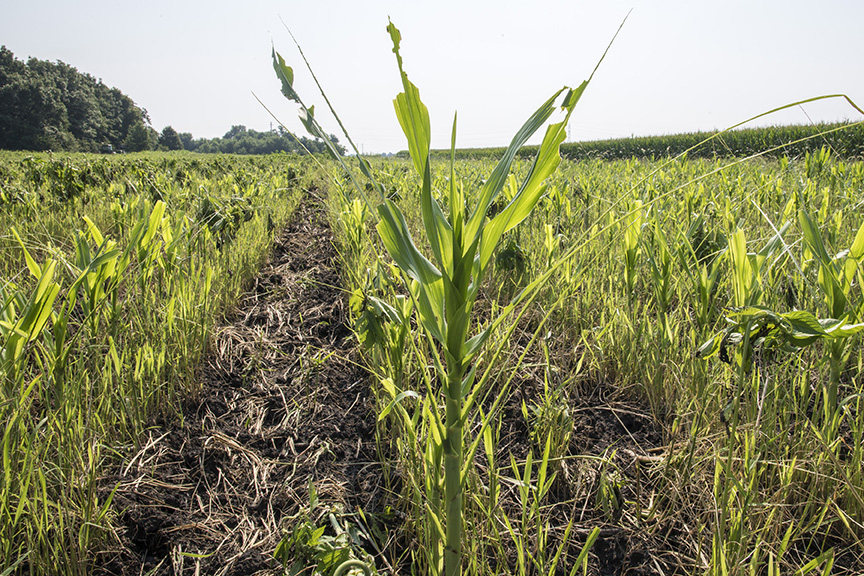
[(282, 401)]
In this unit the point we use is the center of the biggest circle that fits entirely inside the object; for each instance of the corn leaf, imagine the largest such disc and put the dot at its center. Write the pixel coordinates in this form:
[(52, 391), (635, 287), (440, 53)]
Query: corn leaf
[(742, 274), (413, 117), (428, 289), (813, 237), (153, 223), (857, 249), (532, 189), (495, 183), (412, 113), (396, 236), (34, 268), (286, 75), (95, 234)]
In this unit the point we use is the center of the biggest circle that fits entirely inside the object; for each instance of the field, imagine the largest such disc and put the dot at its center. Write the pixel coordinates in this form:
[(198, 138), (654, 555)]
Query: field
[(201, 377), (505, 364), (621, 397), (114, 271)]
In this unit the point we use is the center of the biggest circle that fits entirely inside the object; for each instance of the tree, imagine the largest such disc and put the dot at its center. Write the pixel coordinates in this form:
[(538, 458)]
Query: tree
[(234, 132), (242, 140), (186, 140), (170, 139), (52, 106), (138, 139)]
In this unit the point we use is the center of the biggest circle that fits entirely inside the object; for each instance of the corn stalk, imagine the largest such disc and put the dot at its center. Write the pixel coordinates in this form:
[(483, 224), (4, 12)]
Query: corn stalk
[(444, 288)]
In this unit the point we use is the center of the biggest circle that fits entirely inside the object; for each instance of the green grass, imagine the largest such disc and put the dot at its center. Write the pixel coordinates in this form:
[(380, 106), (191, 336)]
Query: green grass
[(718, 301), (721, 298), (113, 273), (762, 456)]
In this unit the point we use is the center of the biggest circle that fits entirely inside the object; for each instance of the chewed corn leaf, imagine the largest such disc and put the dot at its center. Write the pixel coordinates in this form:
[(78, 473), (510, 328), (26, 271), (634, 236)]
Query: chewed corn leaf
[(286, 75)]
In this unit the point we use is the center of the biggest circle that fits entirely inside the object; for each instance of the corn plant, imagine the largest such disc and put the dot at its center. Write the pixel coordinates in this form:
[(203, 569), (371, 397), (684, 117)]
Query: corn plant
[(660, 265), (698, 258), (462, 246), (631, 245), (99, 328), (748, 267), (444, 287), (22, 319), (835, 279)]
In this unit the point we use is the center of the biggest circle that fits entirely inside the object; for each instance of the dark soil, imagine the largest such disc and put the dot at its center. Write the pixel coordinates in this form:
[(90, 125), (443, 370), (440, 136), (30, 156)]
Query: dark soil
[(282, 402)]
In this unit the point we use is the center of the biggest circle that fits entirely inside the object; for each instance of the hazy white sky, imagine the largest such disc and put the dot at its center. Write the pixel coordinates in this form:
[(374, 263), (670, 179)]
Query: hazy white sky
[(677, 65)]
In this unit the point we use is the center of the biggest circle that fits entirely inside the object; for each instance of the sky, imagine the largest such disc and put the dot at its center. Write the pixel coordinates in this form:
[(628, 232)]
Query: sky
[(676, 66)]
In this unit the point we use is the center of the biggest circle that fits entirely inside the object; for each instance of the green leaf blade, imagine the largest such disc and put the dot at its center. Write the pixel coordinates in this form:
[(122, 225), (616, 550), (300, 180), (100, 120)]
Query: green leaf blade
[(286, 75)]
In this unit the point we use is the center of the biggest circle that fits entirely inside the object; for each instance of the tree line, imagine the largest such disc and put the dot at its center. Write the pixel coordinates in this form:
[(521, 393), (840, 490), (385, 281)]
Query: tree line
[(242, 140), (52, 106)]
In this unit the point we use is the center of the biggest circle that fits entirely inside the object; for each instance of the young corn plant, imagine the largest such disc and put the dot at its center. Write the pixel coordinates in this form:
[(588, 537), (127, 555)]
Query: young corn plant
[(698, 257), (444, 287), (836, 278), (632, 246), (753, 328), (660, 266)]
